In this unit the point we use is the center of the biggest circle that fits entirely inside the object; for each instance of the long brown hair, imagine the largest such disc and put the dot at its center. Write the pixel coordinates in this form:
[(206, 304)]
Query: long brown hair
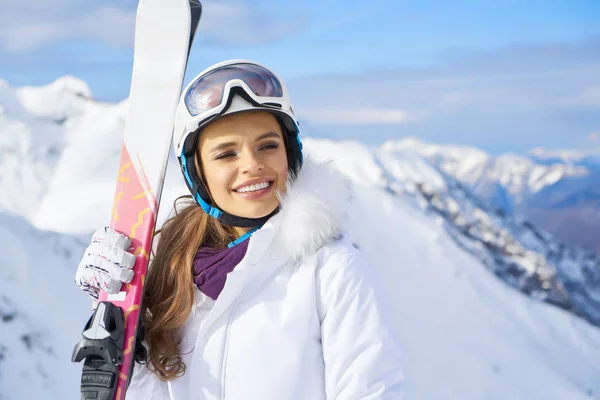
[(169, 289)]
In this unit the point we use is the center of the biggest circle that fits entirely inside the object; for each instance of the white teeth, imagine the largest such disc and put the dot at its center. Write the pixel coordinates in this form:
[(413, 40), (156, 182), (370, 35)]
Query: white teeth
[(253, 188)]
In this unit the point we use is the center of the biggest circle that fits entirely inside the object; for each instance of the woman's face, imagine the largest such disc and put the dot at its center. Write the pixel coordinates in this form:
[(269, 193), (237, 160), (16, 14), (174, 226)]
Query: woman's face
[(244, 162)]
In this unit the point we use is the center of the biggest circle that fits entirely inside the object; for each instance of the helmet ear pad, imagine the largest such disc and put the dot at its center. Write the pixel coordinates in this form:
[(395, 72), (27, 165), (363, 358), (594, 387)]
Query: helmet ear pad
[(193, 166), (293, 148), (199, 177)]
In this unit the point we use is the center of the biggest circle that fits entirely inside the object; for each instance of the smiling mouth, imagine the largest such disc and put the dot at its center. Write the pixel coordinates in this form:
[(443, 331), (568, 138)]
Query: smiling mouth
[(254, 188)]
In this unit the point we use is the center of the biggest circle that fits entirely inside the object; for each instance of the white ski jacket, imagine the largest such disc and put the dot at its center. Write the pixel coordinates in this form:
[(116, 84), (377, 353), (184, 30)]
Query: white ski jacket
[(298, 319)]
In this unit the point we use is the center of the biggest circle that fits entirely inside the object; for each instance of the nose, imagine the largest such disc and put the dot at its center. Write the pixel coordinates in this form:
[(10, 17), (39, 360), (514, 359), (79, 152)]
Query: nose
[(250, 163)]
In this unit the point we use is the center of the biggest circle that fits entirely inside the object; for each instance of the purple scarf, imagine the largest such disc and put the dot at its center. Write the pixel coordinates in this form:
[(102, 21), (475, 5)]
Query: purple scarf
[(211, 267)]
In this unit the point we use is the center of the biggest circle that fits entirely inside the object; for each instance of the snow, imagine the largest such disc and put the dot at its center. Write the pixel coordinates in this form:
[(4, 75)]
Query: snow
[(46, 135), (406, 166), (57, 100), (572, 157), (521, 175), (42, 311), (25, 162), (466, 334)]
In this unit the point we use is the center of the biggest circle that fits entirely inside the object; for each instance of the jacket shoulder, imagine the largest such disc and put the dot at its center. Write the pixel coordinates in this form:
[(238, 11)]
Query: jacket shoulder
[(337, 250)]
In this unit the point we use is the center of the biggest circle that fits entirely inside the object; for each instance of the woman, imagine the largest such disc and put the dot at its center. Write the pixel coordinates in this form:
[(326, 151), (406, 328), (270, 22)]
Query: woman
[(253, 293)]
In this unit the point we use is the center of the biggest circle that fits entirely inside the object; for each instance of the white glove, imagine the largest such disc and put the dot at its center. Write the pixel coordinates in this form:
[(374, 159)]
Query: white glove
[(106, 264)]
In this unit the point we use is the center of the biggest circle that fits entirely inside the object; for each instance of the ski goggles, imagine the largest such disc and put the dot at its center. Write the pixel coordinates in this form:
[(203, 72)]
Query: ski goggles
[(211, 90)]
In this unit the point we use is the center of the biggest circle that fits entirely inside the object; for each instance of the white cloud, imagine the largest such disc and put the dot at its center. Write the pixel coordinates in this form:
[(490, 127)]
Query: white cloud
[(22, 30), (356, 116), (26, 25)]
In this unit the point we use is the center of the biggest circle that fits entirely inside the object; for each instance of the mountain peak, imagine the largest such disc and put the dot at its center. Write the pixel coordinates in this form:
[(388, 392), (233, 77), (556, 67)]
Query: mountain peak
[(588, 159), (543, 152), (71, 84), (406, 143), (59, 100), (564, 156), (424, 146)]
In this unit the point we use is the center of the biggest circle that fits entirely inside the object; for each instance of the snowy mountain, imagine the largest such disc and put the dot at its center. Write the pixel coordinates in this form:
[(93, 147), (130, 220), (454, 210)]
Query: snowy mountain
[(45, 137), (590, 158), (41, 311), (487, 305), (559, 191)]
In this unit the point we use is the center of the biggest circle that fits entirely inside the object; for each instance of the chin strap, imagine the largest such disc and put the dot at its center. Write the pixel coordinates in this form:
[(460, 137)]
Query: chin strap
[(243, 237), (241, 222)]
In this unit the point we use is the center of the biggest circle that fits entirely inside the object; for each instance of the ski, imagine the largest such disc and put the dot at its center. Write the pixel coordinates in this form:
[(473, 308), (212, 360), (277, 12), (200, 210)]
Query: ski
[(164, 31)]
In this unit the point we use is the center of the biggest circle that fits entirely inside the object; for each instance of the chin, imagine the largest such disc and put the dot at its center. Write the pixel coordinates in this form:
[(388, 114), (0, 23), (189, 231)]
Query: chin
[(258, 212)]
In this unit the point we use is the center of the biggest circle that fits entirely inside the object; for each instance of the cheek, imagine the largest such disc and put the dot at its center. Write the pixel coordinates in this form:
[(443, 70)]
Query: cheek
[(217, 179)]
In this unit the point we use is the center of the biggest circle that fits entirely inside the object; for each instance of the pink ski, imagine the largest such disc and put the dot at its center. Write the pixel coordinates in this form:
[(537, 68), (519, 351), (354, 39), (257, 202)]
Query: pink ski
[(163, 34)]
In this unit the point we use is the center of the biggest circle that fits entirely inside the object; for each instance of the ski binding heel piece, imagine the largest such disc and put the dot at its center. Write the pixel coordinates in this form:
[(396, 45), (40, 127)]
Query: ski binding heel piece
[(101, 347)]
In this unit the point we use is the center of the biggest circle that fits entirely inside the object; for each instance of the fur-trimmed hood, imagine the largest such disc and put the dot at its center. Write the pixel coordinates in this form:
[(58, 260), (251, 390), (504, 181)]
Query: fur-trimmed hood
[(312, 210)]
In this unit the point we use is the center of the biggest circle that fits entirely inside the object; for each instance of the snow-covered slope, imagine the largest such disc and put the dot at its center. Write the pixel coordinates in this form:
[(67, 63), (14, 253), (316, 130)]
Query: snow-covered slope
[(513, 249), (486, 305), (557, 190), (467, 335), (46, 135), (41, 310)]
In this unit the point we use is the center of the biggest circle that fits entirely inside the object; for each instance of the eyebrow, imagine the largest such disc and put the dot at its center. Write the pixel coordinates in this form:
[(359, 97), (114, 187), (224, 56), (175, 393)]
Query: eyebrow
[(225, 145)]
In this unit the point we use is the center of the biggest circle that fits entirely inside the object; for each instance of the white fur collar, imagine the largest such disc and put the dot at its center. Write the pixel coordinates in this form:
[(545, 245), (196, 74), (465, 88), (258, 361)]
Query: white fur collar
[(312, 210)]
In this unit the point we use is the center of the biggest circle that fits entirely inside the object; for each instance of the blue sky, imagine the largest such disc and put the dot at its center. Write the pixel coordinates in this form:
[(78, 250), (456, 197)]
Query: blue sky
[(501, 75)]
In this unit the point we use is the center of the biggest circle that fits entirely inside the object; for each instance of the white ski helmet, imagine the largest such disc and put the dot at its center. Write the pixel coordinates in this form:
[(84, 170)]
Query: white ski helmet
[(226, 88)]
